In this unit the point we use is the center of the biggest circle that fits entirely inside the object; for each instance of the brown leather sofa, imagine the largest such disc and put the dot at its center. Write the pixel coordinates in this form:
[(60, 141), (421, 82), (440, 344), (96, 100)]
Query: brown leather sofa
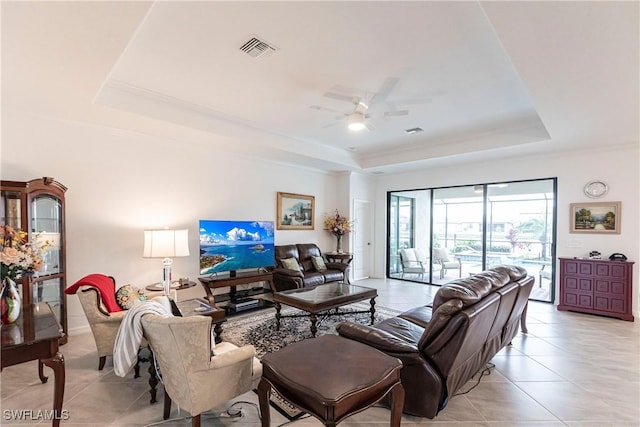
[(443, 345), (308, 275)]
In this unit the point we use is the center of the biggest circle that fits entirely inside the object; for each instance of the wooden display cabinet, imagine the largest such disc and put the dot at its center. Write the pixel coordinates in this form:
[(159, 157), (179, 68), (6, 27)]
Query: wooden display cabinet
[(38, 207), (596, 287)]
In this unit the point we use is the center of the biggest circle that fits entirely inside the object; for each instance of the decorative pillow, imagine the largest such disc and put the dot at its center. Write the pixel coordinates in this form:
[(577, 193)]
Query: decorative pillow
[(128, 295), (318, 263), (290, 264)]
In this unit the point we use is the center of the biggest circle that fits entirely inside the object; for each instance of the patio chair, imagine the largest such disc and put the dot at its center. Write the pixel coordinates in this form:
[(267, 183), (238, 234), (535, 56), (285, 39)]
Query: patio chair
[(544, 274), (413, 261), (441, 257)]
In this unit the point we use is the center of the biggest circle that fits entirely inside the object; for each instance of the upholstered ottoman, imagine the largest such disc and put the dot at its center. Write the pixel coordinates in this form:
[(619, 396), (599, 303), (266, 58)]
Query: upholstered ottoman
[(331, 378)]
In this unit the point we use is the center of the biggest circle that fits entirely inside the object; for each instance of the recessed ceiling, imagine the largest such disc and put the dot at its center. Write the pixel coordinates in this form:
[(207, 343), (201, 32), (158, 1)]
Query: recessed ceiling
[(451, 73), (481, 79)]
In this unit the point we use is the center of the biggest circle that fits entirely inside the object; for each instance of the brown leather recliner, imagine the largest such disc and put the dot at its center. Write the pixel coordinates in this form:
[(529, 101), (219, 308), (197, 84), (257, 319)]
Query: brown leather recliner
[(442, 346), (308, 275)]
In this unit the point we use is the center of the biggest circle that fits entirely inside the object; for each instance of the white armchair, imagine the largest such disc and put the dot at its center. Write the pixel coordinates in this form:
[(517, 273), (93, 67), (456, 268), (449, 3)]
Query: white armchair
[(413, 261), (441, 256), (192, 377)]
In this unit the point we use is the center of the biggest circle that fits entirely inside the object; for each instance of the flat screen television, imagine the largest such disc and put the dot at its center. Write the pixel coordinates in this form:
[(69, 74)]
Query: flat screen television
[(230, 246)]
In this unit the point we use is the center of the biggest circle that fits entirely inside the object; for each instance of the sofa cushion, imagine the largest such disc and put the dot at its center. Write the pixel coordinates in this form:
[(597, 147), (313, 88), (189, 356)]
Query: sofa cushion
[(306, 252), (290, 264), (439, 320), (469, 290), (318, 263), (286, 251), (313, 278)]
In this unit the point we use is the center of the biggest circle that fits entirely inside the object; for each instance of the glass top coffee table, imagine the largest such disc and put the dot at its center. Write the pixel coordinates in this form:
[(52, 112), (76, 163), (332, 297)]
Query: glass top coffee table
[(322, 299)]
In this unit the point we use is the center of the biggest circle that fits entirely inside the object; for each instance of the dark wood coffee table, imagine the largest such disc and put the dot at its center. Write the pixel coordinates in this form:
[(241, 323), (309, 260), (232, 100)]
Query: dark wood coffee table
[(322, 299)]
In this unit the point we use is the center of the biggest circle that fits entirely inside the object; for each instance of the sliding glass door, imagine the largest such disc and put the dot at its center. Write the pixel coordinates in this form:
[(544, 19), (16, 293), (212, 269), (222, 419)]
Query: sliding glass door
[(458, 231)]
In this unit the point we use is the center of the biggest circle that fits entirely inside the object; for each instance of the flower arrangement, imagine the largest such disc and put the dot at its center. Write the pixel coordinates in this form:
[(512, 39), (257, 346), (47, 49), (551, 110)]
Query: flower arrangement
[(19, 255), (337, 224)]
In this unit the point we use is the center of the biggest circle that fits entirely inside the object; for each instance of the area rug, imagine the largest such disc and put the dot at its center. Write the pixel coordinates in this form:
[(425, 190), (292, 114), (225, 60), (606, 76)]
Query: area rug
[(259, 330)]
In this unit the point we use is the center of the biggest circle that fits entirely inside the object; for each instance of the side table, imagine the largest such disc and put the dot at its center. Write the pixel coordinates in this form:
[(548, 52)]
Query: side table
[(158, 286), (344, 257)]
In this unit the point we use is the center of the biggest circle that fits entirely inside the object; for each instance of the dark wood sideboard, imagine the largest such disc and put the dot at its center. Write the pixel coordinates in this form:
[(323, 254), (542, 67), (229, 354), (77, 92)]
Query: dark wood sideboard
[(597, 287)]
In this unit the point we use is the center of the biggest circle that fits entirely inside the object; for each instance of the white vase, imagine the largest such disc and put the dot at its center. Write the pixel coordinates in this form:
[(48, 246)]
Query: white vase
[(10, 301)]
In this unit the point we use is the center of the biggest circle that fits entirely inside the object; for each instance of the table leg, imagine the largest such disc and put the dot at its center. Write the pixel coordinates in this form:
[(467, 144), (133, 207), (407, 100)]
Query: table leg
[(264, 390), (373, 310), (217, 330), (278, 315), (43, 379), (397, 403), (57, 364), (314, 322)]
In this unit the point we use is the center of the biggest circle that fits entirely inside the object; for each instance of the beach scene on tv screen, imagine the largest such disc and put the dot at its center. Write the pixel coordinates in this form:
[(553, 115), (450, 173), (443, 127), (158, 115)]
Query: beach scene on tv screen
[(235, 245)]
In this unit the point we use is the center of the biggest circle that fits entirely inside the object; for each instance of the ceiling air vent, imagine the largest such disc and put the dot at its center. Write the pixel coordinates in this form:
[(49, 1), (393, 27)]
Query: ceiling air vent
[(257, 48), (414, 130)]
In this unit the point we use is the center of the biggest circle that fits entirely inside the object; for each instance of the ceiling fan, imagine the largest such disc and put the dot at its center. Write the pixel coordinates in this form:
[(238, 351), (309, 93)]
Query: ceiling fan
[(356, 119)]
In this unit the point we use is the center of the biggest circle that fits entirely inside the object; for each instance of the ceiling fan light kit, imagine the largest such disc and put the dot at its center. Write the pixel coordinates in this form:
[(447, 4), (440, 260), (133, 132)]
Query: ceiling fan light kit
[(356, 122)]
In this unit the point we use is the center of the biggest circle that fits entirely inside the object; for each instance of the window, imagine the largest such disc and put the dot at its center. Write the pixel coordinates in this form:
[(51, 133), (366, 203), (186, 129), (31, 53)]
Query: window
[(466, 229)]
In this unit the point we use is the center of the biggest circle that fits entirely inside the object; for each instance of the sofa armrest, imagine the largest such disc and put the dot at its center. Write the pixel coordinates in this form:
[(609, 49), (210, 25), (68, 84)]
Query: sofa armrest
[(285, 272), (375, 338), (337, 266)]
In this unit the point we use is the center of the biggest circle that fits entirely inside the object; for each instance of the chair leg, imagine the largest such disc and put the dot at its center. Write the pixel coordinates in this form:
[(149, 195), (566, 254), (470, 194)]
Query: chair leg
[(167, 406), (195, 421), (103, 360)]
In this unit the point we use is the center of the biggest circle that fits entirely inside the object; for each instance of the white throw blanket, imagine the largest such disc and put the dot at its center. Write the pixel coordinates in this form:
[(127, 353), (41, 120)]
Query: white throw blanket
[(125, 349)]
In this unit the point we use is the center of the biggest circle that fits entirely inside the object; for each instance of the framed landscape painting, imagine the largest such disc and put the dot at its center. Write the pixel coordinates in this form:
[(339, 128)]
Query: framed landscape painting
[(595, 218), (295, 212)]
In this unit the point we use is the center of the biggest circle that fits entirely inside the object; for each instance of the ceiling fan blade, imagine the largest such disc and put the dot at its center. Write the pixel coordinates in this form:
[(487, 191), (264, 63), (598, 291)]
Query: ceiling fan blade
[(341, 97), (330, 110), (395, 113), (387, 86), (330, 125)]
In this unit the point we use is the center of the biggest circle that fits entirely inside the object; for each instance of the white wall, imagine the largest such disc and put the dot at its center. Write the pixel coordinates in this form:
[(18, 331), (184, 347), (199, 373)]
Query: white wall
[(120, 183), (618, 166)]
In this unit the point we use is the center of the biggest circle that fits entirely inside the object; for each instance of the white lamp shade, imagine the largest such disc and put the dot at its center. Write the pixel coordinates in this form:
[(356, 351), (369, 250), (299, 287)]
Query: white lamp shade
[(166, 243)]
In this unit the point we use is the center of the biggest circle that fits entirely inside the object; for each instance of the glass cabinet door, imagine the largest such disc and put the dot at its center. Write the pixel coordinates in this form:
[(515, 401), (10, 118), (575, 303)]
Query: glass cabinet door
[(46, 228), (12, 209)]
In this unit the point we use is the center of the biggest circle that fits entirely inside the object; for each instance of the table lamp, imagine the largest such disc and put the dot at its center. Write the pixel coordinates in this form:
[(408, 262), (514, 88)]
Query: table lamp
[(166, 244)]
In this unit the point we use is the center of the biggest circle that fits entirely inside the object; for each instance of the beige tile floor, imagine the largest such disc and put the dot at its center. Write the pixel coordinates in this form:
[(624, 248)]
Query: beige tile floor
[(570, 370)]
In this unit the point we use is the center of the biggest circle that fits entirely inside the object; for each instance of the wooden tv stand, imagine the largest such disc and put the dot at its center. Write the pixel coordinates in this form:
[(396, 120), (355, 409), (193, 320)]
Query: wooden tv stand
[(243, 278)]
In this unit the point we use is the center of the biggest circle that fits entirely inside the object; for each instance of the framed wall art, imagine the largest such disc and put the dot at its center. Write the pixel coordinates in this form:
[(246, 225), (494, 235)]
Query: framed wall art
[(295, 212), (595, 218)]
